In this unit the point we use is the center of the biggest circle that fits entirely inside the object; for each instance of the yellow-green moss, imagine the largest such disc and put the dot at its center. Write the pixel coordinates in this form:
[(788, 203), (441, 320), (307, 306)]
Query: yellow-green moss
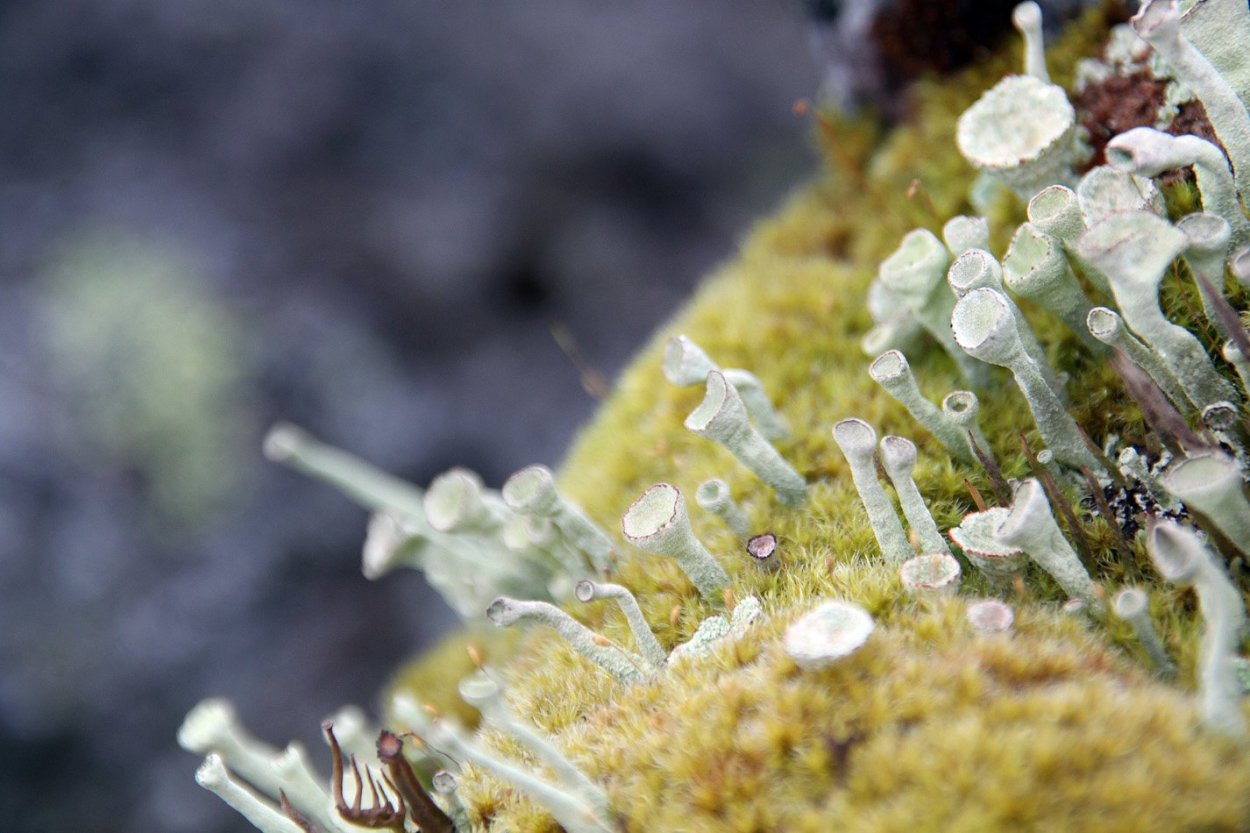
[(929, 726)]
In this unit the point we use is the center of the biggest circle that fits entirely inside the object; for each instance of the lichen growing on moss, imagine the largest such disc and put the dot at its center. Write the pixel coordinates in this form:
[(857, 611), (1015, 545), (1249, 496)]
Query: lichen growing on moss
[(1058, 723)]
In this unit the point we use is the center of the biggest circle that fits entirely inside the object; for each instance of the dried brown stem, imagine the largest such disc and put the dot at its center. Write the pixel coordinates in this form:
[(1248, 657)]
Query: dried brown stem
[(976, 496), (1160, 414), (1002, 490), (382, 813), (422, 809)]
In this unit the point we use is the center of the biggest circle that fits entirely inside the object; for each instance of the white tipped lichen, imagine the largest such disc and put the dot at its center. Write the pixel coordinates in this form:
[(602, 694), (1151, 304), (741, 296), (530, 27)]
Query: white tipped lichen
[(976, 535), (891, 371), (1212, 484), (1022, 132), (714, 496), (1134, 249), (625, 667), (931, 575), (644, 637), (990, 616), (985, 327), (686, 364), (1133, 606)]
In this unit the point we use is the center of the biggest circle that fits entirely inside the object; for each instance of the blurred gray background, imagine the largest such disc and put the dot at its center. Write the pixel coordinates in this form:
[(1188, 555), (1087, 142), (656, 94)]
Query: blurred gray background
[(364, 218)]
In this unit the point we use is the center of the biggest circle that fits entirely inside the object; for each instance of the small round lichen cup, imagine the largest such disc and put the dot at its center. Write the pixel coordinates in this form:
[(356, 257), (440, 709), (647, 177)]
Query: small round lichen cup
[(532, 490), (824, 635), (1022, 133), (990, 616), (930, 576), (975, 535)]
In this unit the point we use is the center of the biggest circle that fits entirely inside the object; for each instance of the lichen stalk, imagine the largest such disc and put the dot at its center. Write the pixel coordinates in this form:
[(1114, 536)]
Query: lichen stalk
[(213, 776), (1031, 527), (626, 668), (484, 693), (644, 637), (858, 442), (984, 326), (898, 458), (722, 417), (1158, 22), (657, 522), (1133, 606), (1180, 557), (1107, 326), (1134, 249), (572, 812), (892, 372), (714, 496), (1212, 484)]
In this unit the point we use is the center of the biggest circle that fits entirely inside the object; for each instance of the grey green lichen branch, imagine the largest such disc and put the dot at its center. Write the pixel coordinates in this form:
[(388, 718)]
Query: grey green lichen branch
[(657, 522), (722, 417), (567, 806), (1030, 526), (985, 327), (1158, 22), (858, 442), (624, 666), (686, 364), (1181, 558)]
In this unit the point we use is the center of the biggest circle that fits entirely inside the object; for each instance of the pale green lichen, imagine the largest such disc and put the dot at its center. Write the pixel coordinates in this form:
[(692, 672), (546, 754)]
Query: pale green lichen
[(942, 719)]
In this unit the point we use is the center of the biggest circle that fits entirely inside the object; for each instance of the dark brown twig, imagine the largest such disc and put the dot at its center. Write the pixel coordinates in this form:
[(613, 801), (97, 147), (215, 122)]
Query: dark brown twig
[(1228, 316), (301, 821), (1160, 414), (1002, 490), (976, 496), (382, 813), (428, 816)]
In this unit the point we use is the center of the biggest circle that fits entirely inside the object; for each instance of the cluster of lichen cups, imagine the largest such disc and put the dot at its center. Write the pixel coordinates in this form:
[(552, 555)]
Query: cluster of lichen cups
[(519, 553)]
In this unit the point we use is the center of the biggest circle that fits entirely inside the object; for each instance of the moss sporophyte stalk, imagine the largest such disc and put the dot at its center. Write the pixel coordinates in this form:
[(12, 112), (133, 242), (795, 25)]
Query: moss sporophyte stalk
[(1022, 610)]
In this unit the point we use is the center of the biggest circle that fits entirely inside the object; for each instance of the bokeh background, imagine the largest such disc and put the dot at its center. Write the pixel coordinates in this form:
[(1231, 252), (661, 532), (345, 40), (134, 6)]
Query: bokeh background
[(366, 218)]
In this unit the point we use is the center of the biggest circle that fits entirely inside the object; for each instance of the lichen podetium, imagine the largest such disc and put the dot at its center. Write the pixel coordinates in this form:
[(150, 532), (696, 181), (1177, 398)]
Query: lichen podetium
[(1035, 712)]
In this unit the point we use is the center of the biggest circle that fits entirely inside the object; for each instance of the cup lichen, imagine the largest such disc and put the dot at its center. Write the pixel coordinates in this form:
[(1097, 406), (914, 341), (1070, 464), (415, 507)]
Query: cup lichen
[(962, 713)]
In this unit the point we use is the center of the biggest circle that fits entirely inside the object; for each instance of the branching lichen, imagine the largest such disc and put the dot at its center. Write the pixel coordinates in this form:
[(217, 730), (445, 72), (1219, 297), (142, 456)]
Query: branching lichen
[(830, 697)]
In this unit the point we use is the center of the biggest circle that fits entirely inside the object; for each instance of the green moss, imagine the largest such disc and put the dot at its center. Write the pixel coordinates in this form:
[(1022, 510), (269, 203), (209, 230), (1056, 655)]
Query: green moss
[(929, 726)]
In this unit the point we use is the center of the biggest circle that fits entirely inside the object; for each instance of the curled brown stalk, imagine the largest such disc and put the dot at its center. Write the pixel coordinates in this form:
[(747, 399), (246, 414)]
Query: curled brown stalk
[(383, 812), (428, 816)]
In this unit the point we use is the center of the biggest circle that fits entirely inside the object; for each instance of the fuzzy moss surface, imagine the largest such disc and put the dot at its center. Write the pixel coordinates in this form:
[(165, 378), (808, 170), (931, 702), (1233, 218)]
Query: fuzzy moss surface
[(929, 726)]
